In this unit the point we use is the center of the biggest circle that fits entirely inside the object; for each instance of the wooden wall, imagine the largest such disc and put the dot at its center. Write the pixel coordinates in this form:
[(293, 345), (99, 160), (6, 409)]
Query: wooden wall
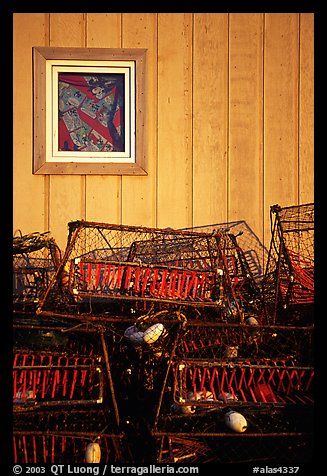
[(230, 120)]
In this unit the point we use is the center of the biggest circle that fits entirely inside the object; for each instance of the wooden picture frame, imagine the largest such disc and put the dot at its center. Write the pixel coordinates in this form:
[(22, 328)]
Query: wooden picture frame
[(89, 108)]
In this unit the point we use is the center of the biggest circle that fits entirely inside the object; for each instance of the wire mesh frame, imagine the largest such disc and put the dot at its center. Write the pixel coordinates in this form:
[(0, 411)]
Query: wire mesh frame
[(49, 379), (267, 381), (202, 435), (39, 447), (260, 448), (61, 436), (247, 289), (288, 282), (254, 251), (35, 259), (220, 341), (168, 267), (283, 350), (206, 431), (200, 428)]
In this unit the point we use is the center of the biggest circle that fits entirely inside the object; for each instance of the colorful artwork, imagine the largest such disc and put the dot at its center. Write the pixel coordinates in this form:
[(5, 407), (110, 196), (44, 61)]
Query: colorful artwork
[(91, 112)]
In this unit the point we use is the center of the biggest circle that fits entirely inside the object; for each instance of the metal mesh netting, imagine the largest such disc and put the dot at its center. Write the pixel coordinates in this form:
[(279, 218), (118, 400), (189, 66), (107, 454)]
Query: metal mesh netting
[(200, 431), (143, 267), (46, 378), (36, 257), (47, 447), (253, 250), (232, 449), (288, 284), (229, 341)]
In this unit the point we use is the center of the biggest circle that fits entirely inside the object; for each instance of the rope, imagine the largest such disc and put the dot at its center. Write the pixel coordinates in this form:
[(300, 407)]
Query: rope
[(31, 242)]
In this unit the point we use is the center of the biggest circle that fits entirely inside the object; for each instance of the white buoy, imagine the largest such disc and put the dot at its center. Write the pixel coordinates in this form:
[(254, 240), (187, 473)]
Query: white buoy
[(153, 333), (235, 421), (93, 453)]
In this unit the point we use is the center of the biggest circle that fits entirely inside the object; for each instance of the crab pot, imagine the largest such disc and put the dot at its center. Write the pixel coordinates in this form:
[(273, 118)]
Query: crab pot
[(260, 448), (276, 382), (214, 341), (58, 338), (246, 289), (273, 432), (252, 250), (288, 284), (47, 379), (61, 437), (116, 269), (35, 260)]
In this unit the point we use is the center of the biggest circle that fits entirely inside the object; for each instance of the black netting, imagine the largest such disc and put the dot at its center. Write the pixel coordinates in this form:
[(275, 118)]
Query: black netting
[(288, 284)]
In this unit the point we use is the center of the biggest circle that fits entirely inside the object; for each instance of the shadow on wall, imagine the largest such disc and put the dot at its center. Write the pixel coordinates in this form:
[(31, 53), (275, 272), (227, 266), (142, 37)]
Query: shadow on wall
[(254, 251)]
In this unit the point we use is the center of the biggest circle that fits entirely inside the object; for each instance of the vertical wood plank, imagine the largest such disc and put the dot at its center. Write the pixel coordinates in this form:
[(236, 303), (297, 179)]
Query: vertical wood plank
[(280, 112), (103, 192), (245, 188), (103, 30), (210, 118), (174, 120), (139, 193), (67, 29), (306, 113), (30, 191), (67, 192)]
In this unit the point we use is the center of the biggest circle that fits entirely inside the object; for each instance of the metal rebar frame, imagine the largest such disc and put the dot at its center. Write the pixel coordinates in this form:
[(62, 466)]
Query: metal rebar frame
[(35, 259), (201, 435), (139, 267), (276, 382), (288, 283), (223, 341), (47, 379)]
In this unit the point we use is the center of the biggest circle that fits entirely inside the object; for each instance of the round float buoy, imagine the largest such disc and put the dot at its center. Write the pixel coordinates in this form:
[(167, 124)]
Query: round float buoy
[(152, 334), (235, 421), (134, 335), (93, 453)]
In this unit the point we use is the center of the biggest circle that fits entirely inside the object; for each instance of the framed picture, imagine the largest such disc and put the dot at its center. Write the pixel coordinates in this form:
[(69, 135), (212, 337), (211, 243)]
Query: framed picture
[(89, 111)]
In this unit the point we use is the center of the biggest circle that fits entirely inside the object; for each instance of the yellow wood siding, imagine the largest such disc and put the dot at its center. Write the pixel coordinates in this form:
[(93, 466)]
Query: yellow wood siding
[(210, 118), (230, 120), (281, 98), (30, 200), (103, 198)]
